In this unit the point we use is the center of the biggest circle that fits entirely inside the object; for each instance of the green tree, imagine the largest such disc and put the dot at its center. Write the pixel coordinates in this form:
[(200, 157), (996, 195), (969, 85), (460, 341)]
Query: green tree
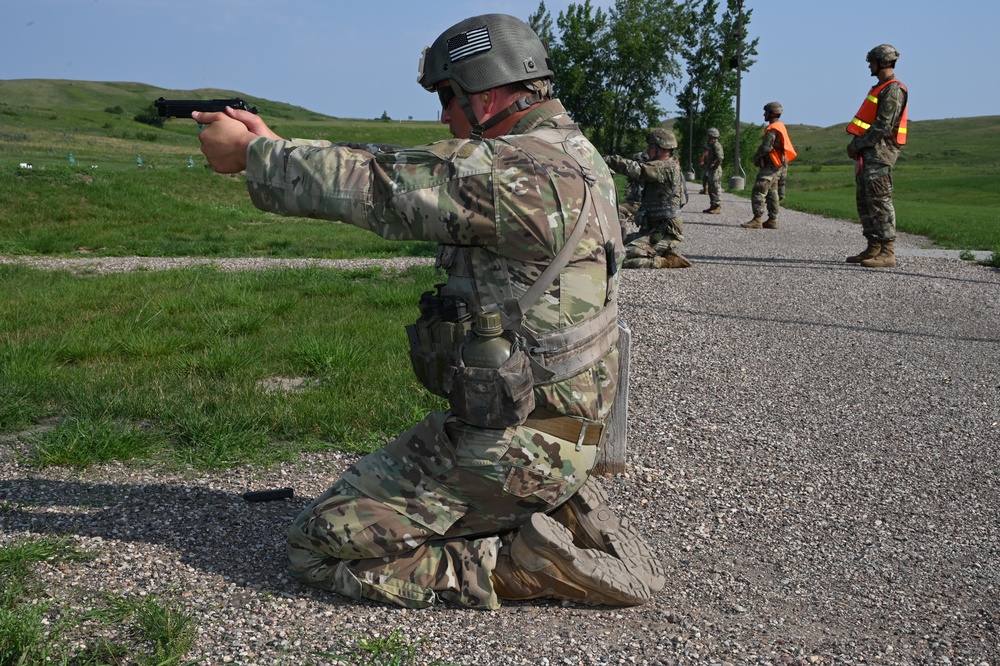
[(709, 48), (541, 23), (611, 66)]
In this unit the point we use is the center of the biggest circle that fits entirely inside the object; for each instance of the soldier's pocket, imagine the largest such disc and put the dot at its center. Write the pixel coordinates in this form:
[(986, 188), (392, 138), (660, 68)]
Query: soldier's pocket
[(879, 182)]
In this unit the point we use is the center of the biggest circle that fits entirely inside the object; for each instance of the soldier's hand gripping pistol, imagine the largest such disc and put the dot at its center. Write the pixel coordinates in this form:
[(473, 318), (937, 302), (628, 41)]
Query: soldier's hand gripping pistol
[(182, 108)]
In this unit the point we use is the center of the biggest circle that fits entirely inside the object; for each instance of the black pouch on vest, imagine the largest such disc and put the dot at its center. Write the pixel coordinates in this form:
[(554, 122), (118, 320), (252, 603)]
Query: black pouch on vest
[(436, 337), (492, 397)]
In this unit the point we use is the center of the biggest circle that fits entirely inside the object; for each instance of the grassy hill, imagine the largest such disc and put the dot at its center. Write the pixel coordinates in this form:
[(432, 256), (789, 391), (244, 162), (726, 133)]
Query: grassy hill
[(43, 120), (945, 181)]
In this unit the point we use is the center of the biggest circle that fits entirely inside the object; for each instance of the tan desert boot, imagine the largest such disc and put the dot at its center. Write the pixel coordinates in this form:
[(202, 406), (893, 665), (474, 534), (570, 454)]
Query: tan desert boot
[(542, 562), (674, 259), (886, 257), (713, 210), (771, 223), (870, 252), (752, 224), (595, 525)]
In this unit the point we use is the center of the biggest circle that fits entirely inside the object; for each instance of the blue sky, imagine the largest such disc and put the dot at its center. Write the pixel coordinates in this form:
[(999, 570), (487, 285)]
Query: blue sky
[(358, 59)]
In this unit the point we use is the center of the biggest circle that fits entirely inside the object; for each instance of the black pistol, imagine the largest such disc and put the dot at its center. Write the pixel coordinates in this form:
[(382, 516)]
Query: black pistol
[(182, 108)]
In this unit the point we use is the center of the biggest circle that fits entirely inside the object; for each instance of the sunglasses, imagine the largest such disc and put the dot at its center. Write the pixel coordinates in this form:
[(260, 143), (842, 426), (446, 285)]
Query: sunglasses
[(445, 94)]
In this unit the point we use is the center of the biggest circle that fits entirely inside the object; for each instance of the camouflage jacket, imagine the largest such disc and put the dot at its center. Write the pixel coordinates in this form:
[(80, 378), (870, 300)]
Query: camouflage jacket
[(663, 193), (713, 155), (878, 144), (499, 208)]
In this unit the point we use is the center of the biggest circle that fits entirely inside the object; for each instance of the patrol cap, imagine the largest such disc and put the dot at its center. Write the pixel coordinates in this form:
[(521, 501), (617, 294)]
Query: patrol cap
[(883, 53), (663, 138), (485, 52), (712, 132)]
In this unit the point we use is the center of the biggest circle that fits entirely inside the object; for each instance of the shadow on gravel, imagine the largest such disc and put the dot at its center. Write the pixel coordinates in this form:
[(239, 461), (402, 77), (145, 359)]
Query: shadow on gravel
[(825, 264), (826, 324), (212, 530)]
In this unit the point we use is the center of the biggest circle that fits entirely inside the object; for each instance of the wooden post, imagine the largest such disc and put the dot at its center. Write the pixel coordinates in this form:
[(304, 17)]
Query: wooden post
[(613, 456)]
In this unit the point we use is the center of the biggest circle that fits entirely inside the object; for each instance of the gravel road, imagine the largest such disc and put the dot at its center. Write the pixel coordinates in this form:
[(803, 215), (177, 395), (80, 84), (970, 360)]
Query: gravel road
[(813, 448)]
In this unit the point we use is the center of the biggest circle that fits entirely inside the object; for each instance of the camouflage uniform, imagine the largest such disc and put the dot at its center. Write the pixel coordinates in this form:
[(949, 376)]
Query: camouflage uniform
[(713, 172), (765, 187), (628, 209), (663, 196), (879, 150), (423, 519)]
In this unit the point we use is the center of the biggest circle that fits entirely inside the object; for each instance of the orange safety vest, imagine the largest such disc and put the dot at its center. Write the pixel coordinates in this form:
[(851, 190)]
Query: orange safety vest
[(865, 116), (790, 153)]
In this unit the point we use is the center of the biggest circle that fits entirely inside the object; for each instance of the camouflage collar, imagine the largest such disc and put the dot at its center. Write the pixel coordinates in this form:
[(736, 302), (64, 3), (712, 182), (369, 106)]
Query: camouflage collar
[(540, 114)]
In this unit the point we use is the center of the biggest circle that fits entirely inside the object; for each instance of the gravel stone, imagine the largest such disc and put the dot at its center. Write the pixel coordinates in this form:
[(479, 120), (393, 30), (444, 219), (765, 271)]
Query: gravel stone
[(813, 450)]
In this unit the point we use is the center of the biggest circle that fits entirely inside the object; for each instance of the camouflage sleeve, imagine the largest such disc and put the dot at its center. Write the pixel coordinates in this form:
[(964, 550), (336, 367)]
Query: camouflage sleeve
[(442, 192), (714, 156), (891, 102), (766, 146)]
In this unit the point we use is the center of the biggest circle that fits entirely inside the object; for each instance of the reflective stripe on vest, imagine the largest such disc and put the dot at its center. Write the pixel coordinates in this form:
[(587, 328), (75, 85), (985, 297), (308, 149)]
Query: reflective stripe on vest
[(869, 108)]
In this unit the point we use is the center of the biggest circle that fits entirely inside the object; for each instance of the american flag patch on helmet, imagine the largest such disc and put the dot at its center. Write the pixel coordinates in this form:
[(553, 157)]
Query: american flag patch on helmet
[(469, 43)]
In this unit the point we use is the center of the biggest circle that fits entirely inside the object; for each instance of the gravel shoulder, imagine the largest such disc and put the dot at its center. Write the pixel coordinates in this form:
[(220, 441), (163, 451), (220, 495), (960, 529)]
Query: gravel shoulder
[(813, 448)]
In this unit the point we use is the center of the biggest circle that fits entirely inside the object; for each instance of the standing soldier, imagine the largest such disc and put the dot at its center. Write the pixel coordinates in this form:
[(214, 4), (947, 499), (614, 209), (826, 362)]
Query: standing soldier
[(772, 157), (713, 171), (663, 196), (879, 130)]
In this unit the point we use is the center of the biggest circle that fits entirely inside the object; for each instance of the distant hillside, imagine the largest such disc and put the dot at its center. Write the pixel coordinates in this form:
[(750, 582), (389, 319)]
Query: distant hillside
[(131, 97), (44, 119), (49, 122), (958, 141)]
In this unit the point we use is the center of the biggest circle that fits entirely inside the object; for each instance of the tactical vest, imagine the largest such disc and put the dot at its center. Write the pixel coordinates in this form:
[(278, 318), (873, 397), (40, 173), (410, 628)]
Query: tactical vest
[(555, 355), (865, 116), (660, 201), (777, 157)]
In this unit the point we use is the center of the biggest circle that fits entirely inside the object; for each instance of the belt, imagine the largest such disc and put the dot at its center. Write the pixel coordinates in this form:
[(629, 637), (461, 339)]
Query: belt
[(565, 427)]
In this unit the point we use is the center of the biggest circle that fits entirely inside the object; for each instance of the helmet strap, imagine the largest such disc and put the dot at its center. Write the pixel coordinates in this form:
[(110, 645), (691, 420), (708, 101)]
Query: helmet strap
[(478, 127)]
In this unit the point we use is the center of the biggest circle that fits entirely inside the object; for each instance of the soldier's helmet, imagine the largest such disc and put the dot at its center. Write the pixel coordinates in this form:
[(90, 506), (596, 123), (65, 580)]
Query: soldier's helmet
[(774, 107), (883, 53), (485, 52), (663, 138), (712, 132)]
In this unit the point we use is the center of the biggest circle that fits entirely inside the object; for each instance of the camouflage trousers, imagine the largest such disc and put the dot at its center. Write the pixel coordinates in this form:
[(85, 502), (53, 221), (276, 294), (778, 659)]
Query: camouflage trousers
[(713, 185), (874, 195), (627, 216), (660, 239), (765, 191), (423, 518)]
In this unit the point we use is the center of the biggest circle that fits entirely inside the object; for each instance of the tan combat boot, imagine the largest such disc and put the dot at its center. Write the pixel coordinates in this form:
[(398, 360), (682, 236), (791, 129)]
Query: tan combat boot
[(752, 224), (674, 259), (542, 561), (870, 252), (771, 223), (595, 525), (713, 210), (886, 257)]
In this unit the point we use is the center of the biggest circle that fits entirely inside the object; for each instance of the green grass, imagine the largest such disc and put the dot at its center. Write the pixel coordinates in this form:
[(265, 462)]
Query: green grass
[(375, 650), (173, 366), (150, 630)]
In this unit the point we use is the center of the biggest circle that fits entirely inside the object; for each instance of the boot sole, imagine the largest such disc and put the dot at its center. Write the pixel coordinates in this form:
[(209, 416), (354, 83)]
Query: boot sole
[(603, 530), (543, 542)]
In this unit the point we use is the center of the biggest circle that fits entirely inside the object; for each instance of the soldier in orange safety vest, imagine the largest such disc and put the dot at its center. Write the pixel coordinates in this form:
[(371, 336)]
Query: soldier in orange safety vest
[(878, 133), (773, 156)]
